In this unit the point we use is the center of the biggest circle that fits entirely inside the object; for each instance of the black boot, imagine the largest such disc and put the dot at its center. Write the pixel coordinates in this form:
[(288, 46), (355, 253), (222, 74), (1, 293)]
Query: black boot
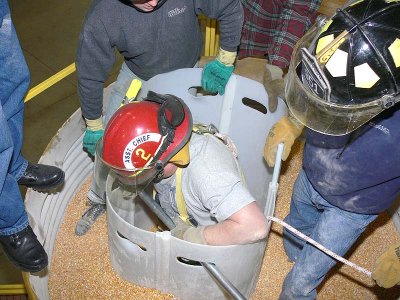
[(24, 250), (42, 177)]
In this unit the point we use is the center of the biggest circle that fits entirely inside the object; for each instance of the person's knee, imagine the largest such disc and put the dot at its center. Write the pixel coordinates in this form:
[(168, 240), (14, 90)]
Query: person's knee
[(291, 245), (297, 285)]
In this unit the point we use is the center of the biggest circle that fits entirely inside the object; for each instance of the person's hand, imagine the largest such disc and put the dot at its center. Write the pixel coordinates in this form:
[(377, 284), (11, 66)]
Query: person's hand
[(286, 131), (387, 267), (94, 131), (187, 232), (217, 72), (274, 84)]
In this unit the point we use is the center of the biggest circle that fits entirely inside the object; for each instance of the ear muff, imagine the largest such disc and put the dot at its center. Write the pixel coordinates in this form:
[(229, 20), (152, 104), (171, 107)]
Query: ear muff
[(170, 115), (176, 115)]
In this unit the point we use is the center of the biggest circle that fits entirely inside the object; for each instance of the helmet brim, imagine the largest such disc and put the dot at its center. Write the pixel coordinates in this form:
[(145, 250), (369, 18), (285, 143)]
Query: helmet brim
[(319, 114), (139, 177)]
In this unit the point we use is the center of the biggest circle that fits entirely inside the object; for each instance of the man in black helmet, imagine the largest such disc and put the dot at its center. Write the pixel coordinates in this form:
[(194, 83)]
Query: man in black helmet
[(344, 86), (154, 37)]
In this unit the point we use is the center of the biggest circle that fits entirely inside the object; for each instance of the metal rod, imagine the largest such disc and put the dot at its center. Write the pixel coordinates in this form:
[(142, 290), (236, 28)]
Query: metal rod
[(278, 161), (226, 284), (157, 209), (211, 268)]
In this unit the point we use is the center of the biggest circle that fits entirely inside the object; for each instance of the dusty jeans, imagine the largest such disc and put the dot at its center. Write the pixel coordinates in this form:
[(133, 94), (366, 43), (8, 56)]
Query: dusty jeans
[(329, 225)]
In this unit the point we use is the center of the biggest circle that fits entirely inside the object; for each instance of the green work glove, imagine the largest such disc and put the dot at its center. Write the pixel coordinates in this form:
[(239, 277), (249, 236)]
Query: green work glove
[(94, 131), (217, 72), (387, 267), (285, 131), (188, 233)]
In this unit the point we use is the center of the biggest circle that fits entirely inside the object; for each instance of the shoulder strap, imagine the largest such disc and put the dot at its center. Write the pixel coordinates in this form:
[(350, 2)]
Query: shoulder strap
[(203, 129), (180, 200)]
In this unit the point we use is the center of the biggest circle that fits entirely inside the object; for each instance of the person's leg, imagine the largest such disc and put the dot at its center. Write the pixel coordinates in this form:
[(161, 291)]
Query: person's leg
[(16, 237), (337, 230), (120, 87), (119, 90), (96, 194), (303, 215), (14, 78), (96, 197), (13, 217)]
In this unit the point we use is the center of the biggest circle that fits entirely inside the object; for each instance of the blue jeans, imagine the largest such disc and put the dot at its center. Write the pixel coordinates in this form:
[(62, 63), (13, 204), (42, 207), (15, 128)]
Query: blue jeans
[(330, 226), (97, 190), (14, 82)]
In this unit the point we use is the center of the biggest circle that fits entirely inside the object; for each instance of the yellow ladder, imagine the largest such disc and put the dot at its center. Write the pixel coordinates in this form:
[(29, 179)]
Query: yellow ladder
[(209, 28)]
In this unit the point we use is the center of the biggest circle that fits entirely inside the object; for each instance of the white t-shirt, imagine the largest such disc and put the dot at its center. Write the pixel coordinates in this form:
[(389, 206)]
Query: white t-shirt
[(212, 185)]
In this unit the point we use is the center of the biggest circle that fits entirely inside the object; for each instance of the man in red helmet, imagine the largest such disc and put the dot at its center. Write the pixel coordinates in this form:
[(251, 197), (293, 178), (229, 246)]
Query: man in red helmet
[(152, 141), (154, 37), (344, 86)]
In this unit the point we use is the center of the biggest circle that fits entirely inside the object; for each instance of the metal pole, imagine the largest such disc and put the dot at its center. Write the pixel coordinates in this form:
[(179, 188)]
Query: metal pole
[(211, 268)]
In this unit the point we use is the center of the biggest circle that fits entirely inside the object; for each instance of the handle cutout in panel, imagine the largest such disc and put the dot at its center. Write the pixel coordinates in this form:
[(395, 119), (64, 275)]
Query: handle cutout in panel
[(255, 105), (122, 237), (187, 261), (198, 91)]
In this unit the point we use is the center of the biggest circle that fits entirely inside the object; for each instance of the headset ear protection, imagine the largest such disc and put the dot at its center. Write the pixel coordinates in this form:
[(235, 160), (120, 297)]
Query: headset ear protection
[(167, 122)]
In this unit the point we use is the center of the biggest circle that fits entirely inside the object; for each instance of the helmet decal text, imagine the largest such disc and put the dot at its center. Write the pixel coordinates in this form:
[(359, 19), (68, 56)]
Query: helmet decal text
[(313, 76), (140, 147)]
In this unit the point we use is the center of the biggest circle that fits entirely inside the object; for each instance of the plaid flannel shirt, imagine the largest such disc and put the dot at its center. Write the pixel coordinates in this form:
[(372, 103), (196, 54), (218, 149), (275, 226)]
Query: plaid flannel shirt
[(272, 28)]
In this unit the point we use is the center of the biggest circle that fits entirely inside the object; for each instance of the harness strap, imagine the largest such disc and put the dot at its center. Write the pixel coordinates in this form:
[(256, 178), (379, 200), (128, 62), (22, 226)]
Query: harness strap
[(180, 201)]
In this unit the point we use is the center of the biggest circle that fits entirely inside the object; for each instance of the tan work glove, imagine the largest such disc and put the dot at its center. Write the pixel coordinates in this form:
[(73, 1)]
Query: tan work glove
[(188, 233), (387, 267), (274, 84), (286, 131)]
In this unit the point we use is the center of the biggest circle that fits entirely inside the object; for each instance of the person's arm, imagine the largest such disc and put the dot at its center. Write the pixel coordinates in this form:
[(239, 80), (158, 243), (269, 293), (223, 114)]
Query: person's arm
[(218, 188), (296, 18), (95, 58), (248, 225), (229, 14)]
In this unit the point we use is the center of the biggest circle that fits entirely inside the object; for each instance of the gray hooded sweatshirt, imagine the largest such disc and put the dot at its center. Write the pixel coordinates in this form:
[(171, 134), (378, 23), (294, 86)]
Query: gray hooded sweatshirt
[(152, 43)]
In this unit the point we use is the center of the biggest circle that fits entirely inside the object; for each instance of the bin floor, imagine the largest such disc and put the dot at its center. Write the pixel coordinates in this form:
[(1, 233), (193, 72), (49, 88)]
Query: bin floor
[(81, 268)]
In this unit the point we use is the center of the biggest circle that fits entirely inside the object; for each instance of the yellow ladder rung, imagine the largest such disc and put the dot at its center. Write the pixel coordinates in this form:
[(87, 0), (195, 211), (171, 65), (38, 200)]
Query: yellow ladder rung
[(213, 29), (12, 289), (49, 82)]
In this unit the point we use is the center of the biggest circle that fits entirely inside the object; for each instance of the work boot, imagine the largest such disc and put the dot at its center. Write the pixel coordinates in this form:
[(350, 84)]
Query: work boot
[(24, 250), (42, 177), (89, 218)]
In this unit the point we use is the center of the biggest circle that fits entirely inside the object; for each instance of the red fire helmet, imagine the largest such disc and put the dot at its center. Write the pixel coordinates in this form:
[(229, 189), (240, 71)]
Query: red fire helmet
[(141, 137)]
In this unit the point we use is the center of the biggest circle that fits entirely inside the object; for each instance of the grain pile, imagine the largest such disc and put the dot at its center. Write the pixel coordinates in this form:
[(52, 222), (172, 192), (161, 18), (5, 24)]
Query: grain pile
[(81, 268)]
